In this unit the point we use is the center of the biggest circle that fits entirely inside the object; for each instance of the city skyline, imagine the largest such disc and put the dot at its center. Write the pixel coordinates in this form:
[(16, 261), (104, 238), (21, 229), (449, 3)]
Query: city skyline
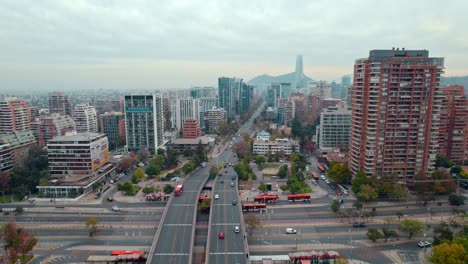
[(161, 45)]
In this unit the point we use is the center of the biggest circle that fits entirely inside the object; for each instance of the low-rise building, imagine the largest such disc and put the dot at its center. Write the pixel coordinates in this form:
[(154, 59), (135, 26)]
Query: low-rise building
[(280, 145), (76, 163), (190, 144), (214, 117)]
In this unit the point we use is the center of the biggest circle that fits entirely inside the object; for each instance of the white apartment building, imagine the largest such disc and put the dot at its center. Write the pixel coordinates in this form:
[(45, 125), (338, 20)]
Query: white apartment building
[(335, 125), (85, 118), (284, 145)]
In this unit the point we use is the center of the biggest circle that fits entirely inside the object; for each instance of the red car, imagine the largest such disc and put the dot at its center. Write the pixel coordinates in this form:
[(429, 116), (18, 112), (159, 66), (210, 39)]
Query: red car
[(221, 235)]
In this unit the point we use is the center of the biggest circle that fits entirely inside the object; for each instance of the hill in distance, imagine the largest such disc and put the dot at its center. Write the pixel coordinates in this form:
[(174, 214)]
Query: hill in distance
[(267, 79)]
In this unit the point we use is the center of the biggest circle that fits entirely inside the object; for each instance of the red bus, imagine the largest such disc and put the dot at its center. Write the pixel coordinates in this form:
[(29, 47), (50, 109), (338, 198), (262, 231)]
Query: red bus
[(315, 175), (248, 207), (303, 197), (321, 168), (178, 189), (266, 198), (126, 252)]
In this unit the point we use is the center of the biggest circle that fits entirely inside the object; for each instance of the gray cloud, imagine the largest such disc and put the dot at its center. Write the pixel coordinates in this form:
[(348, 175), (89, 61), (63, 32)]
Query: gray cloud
[(85, 35)]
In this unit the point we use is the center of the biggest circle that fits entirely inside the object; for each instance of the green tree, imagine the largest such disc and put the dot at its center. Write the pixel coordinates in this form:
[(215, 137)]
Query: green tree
[(441, 161), (172, 158), (284, 187), (91, 224), (448, 253), (442, 233), (397, 191), (411, 226), (455, 199), (148, 189), (359, 180), (168, 189), (339, 172), (374, 234), (387, 233), (189, 167), (158, 161), (127, 188), (367, 193), (252, 222), (138, 175), (152, 170), (259, 160), (335, 205), (283, 171), (263, 187)]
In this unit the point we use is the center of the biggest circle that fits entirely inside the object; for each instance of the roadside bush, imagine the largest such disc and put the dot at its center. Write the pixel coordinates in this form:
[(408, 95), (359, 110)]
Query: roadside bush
[(148, 189)]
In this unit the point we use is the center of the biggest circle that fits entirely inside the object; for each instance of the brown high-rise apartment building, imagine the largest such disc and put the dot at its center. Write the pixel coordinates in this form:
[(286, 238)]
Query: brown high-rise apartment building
[(60, 103), (15, 115), (396, 107), (453, 137)]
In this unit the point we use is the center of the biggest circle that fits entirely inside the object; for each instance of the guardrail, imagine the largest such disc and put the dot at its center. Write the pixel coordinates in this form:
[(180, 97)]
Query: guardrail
[(242, 224)]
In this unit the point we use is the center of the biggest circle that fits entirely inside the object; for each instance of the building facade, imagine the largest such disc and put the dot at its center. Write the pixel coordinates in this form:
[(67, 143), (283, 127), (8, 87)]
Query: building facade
[(229, 94), (113, 126), (396, 108), (19, 143), (185, 108), (52, 126), (214, 117), (280, 145), (76, 162), (335, 124), (60, 103), (144, 121), (85, 118), (15, 115), (453, 137), (6, 164), (191, 129)]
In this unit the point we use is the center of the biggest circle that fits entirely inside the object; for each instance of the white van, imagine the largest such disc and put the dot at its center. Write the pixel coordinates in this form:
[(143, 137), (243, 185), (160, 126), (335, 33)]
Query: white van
[(236, 229), (291, 231)]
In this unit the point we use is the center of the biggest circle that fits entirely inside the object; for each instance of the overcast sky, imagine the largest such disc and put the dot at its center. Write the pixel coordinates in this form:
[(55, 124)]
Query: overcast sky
[(57, 45)]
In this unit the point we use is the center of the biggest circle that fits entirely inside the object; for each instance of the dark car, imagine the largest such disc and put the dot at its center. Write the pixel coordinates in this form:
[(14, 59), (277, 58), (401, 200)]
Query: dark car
[(356, 224), (234, 202)]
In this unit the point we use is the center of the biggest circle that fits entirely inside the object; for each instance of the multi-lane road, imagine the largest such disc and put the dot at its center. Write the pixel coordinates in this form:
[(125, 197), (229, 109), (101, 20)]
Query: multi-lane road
[(225, 217), (175, 238)]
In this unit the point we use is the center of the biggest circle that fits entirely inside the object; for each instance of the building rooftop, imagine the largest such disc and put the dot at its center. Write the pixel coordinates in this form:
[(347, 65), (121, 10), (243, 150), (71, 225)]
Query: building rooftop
[(77, 137), (204, 140), (18, 137)]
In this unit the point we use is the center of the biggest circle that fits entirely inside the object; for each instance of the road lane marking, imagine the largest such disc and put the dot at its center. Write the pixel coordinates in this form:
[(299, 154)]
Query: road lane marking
[(177, 224), (223, 224), (227, 253), (182, 205), (171, 254)]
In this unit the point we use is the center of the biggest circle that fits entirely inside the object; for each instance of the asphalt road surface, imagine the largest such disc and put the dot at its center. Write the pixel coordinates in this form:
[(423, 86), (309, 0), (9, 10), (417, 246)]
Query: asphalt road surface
[(225, 217)]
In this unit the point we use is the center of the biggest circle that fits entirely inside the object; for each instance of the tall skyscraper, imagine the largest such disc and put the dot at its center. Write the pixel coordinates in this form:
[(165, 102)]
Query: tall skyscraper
[(453, 137), (246, 95), (299, 78), (14, 115), (144, 121), (60, 103), (333, 130), (229, 94), (396, 108), (85, 118)]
